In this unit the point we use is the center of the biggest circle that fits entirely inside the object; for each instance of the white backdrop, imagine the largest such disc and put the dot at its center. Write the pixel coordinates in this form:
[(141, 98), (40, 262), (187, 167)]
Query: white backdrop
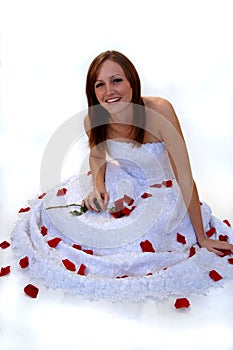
[(182, 49)]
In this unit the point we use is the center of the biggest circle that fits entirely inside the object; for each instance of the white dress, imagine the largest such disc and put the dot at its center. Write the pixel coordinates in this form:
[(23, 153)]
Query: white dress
[(149, 251)]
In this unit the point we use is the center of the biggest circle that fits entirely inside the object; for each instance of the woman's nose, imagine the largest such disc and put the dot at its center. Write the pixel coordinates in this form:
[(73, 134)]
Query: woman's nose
[(109, 89)]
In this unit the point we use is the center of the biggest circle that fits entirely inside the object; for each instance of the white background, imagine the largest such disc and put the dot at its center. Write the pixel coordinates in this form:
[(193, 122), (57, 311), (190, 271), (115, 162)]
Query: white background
[(183, 51)]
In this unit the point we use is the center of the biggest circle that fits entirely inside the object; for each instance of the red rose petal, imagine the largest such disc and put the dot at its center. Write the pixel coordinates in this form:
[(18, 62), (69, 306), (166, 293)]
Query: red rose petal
[(77, 246), (81, 270), (43, 230), (230, 260), (132, 208), (119, 204), (224, 252), (126, 211), (54, 242), (88, 251), (223, 238), (192, 252), (181, 303), (5, 271), (24, 262), (89, 172), (180, 238), (147, 246), (4, 244), (149, 274), (124, 276), (61, 191), (115, 214), (128, 200), (167, 183), (31, 290), (215, 275), (146, 195), (210, 232), (42, 195), (156, 185), (227, 222), (69, 265), (23, 210)]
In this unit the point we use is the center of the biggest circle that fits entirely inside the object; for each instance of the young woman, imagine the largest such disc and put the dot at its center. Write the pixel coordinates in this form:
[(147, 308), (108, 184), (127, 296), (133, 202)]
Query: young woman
[(141, 230)]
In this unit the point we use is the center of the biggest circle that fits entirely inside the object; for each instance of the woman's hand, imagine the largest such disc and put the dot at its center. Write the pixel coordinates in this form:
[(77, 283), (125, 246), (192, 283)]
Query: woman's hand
[(215, 246), (96, 200)]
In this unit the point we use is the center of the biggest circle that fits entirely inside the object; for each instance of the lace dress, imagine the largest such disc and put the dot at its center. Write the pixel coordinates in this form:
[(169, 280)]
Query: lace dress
[(145, 248)]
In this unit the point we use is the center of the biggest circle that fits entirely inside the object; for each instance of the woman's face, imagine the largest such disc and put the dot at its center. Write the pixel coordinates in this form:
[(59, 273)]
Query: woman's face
[(112, 86)]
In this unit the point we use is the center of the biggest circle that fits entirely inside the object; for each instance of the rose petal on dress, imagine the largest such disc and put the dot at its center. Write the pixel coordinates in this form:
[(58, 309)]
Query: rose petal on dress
[(88, 251), (61, 191), (123, 276), (69, 265), (180, 238), (156, 185), (4, 244), (210, 232), (224, 252), (24, 262), (42, 195), (147, 246), (54, 242), (23, 210), (215, 275), (146, 195), (77, 246), (128, 200), (81, 270), (43, 230), (119, 203), (181, 303), (126, 211), (227, 222), (31, 290), (223, 238), (89, 172), (192, 252), (167, 183), (230, 260), (5, 271)]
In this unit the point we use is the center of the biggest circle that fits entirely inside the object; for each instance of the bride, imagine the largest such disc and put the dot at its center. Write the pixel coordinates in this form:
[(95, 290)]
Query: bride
[(141, 230)]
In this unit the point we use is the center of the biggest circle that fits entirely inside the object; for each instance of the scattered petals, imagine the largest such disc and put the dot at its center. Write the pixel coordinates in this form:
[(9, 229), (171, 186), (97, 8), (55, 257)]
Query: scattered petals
[(24, 262), (54, 242), (69, 265), (4, 244), (77, 246), (5, 271), (126, 211), (43, 230), (146, 195), (230, 260), (181, 303), (215, 275), (223, 238), (81, 270), (31, 290), (128, 200), (192, 252), (167, 183), (180, 238), (210, 232), (61, 191), (147, 246), (88, 251), (42, 195), (227, 222), (23, 210)]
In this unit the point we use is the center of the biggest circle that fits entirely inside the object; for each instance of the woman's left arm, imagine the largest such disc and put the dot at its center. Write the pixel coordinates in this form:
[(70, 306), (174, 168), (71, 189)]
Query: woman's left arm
[(166, 122)]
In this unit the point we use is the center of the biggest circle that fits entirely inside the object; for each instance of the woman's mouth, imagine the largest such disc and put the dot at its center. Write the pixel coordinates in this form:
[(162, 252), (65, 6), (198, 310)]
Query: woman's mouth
[(112, 100)]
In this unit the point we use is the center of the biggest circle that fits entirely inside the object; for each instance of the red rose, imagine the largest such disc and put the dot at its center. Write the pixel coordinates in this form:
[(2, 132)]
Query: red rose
[(81, 270), (192, 252), (61, 191), (4, 245), (167, 183), (23, 210), (210, 232), (54, 242), (69, 265), (146, 195), (181, 303), (31, 291), (223, 238), (180, 238), (5, 271), (147, 246), (24, 262), (215, 275), (42, 195), (43, 230), (227, 222)]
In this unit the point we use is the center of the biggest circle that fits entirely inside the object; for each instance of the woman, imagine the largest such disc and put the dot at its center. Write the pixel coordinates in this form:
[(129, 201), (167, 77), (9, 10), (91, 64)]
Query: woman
[(141, 227)]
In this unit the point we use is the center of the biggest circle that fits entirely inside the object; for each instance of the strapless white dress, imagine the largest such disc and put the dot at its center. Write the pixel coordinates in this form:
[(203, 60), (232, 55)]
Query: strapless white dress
[(150, 251)]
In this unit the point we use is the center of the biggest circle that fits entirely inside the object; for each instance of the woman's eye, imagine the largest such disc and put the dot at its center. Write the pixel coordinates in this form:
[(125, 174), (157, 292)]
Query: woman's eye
[(99, 85), (117, 80)]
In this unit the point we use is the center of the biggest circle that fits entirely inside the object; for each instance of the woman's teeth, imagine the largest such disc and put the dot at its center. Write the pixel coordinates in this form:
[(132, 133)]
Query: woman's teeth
[(113, 100)]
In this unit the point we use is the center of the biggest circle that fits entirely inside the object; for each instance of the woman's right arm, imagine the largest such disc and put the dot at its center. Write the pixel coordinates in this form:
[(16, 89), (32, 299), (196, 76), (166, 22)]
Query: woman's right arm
[(97, 162)]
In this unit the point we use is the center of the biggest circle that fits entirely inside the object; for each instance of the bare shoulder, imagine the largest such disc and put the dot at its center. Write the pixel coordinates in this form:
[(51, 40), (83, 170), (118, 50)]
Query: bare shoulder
[(159, 105)]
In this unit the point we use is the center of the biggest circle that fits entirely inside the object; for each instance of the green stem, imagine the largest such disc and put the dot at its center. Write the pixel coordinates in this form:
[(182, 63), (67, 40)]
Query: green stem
[(65, 206)]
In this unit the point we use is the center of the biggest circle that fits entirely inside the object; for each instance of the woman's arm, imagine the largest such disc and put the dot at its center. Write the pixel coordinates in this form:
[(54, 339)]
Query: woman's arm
[(97, 162), (166, 122)]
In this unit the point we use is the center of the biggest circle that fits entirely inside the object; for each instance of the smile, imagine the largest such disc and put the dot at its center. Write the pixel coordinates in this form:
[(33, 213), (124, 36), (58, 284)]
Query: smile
[(112, 100)]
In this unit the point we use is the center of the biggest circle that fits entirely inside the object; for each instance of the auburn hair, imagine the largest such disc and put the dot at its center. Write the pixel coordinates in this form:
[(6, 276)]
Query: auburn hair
[(98, 115)]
